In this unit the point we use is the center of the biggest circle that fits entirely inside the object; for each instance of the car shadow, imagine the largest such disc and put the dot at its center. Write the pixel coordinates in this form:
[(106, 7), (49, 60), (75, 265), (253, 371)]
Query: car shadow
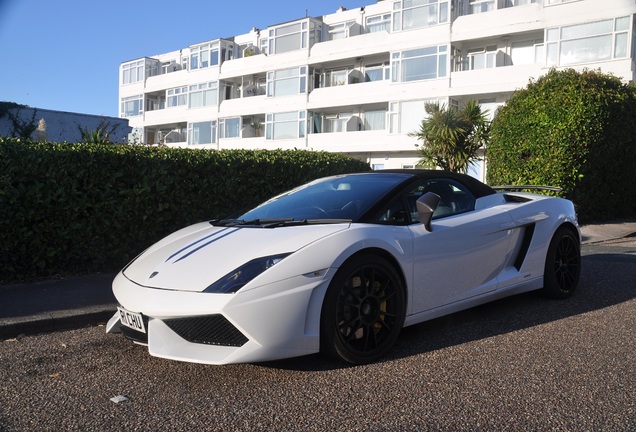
[(606, 280)]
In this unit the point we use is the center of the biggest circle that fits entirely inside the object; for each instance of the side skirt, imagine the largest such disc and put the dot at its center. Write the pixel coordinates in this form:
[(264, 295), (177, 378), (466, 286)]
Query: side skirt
[(526, 286)]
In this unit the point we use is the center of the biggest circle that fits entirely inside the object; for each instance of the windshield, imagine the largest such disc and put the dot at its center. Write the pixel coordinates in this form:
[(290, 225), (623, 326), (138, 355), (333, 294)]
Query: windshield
[(340, 197)]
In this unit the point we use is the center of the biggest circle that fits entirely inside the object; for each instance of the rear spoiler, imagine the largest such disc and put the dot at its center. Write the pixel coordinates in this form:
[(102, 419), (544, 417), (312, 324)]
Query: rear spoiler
[(527, 187)]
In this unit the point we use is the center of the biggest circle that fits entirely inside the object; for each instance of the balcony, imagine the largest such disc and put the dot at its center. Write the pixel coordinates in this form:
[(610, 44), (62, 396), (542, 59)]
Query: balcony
[(498, 21), (167, 80), (351, 47), (493, 80), (361, 142), (343, 95)]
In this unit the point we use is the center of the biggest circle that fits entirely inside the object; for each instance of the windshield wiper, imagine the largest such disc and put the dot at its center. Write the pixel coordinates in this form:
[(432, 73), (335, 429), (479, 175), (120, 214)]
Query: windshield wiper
[(252, 222), (305, 222), (276, 222)]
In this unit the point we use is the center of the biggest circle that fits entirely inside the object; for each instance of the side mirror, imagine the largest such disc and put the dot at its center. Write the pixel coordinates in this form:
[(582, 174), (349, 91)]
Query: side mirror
[(426, 205)]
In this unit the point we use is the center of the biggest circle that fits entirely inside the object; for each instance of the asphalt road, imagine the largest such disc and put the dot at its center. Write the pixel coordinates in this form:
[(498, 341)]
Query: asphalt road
[(520, 364)]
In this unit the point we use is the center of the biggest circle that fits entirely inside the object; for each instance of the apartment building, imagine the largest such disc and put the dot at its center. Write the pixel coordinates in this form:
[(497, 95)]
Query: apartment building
[(355, 81)]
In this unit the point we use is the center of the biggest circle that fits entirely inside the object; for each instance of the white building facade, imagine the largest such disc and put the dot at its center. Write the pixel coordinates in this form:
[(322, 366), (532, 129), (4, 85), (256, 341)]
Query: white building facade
[(356, 81)]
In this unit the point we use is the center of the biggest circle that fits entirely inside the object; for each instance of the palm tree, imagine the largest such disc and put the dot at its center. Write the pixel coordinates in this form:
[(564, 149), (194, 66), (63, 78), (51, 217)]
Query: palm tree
[(101, 135), (451, 138)]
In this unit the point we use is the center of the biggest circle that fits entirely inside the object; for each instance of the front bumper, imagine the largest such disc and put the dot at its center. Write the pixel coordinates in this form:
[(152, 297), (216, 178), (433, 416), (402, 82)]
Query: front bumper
[(276, 321)]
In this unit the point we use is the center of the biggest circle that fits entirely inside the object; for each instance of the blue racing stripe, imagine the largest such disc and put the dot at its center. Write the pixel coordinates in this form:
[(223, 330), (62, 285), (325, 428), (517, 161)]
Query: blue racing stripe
[(205, 244), (196, 242)]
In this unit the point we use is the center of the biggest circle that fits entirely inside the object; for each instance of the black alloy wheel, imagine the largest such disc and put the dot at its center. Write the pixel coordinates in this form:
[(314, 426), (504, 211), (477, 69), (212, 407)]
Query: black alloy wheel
[(563, 264), (363, 311)]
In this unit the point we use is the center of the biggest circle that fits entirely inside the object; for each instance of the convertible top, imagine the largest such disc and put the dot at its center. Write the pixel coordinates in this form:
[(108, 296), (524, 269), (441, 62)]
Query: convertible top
[(477, 188)]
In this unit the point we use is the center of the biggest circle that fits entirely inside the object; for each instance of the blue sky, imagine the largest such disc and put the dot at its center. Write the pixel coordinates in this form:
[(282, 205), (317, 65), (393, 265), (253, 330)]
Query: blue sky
[(64, 54)]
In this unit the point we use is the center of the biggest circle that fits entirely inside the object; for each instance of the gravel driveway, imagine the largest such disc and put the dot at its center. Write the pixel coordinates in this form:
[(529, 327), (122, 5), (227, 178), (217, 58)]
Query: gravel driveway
[(520, 364)]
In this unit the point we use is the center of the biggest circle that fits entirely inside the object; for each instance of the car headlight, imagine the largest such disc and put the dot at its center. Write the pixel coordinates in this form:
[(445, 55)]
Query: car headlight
[(236, 279)]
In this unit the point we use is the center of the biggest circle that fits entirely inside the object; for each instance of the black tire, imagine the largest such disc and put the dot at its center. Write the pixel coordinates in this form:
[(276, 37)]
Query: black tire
[(562, 264), (363, 311)]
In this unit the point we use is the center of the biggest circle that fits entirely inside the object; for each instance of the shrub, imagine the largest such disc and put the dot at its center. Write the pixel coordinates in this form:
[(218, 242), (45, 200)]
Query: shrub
[(572, 130), (77, 208)]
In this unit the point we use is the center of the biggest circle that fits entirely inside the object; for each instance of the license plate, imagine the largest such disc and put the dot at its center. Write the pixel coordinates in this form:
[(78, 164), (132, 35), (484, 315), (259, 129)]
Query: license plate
[(131, 320)]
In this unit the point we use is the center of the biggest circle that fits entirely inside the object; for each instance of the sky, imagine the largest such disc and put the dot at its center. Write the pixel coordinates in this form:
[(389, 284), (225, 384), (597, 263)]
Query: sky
[(64, 55)]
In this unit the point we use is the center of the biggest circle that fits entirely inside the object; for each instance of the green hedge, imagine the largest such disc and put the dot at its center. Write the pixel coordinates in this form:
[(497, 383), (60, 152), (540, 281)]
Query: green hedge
[(574, 130), (77, 208)]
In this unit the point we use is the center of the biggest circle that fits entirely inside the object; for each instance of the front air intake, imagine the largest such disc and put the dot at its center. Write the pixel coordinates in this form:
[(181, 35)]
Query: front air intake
[(209, 330)]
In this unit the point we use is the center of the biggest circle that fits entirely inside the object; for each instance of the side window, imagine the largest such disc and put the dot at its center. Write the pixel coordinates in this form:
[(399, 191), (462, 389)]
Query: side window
[(455, 198), (396, 214)]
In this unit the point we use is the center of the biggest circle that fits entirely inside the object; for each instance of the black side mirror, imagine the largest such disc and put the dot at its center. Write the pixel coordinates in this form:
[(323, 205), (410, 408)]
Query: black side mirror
[(426, 205)]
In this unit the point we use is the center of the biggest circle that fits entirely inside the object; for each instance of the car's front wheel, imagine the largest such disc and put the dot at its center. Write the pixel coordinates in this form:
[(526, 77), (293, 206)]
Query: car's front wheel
[(562, 264), (363, 311)]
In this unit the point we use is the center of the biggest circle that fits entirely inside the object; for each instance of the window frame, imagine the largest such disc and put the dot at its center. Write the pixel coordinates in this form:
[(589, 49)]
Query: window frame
[(556, 38), (132, 99), (404, 9), (192, 133), (402, 62), (271, 121), (298, 74), (205, 89)]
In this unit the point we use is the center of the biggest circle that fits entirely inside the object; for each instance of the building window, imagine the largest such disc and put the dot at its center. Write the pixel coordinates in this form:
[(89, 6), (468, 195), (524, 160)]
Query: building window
[(291, 37), (340, 31), (204, 56), (588, 42), (379, 23), (337, 122), (287, 125), (202, 133), (334, 78), (132, 72), (177, 96), (407, 116), (481, 58), (287, 82), (375, 120), (203, 95), (230, 127), (479, 6), (132, 106), (419, 64), (416, 14), (288, 38), (377, 72), (527, 52)]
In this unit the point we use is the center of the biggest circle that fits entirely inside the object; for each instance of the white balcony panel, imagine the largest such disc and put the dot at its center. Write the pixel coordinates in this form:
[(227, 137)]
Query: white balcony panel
[(131, 89), (243, 106), (166, 116), (166, 81), (361, 141), (625, 69), (262, 63), (376, 92), (262, 104), (493, 80), (576, 12), (351, 94), (351, 47), (253, 65), (499, 22), (260, 143)]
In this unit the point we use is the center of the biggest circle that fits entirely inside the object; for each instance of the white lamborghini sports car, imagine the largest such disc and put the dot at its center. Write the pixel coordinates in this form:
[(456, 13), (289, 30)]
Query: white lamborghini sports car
[(340, 265)]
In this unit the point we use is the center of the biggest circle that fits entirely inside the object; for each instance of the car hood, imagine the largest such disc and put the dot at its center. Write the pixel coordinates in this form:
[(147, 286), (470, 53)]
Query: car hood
[(193, 258)]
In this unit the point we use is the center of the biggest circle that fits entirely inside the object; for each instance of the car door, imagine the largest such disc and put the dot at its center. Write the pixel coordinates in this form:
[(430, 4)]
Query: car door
[(463, 253)]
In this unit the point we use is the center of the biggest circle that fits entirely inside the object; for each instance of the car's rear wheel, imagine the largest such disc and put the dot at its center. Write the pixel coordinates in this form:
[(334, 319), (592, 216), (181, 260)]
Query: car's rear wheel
[(363, 311), (562, 264)]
